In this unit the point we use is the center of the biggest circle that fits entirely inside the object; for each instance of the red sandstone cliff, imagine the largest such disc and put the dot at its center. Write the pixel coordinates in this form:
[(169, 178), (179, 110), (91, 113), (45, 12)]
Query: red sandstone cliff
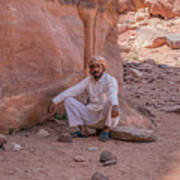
[(41, 53)]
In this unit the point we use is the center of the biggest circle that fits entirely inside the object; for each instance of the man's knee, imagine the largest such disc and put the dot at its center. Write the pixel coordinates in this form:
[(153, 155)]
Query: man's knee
[(108, 106), (68, 100)]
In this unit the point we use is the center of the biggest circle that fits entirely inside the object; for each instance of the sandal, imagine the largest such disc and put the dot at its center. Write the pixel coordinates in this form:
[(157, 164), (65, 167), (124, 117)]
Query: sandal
[(104, 136), (78, 134)]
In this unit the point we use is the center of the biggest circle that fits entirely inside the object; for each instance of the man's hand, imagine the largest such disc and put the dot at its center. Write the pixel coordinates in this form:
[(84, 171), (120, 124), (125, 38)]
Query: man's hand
[(52, 108), (115, 111)]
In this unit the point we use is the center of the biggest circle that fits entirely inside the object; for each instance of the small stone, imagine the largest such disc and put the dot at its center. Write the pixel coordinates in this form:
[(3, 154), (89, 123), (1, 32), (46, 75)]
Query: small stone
[(12, 147), (3, 139), (170, 109), (93, 149), (140, 16), (65, 137), (162, 66), (146, 67), (73, 178), (110, 162), (106, 156), (43, 133), (136, 73), (79, 159), (16, 147), (150, 61), (90, 132), (173, 40), (99, 176)]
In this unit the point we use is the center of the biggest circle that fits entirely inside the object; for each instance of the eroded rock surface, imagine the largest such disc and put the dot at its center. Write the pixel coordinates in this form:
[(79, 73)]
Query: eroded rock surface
[(134, 134), (42, 52)]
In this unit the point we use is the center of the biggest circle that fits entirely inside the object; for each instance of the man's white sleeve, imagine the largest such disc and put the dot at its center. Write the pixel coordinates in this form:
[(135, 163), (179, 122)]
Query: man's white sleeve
[(113, 91), (73, 91)]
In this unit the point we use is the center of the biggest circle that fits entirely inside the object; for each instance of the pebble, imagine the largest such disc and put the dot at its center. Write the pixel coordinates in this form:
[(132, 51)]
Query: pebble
[(93, 149), (79, 158), (65, 137), (135, 73), (99, 176), (12, 147), (3, 139), (110, 162), (43, 133), (106, 156)]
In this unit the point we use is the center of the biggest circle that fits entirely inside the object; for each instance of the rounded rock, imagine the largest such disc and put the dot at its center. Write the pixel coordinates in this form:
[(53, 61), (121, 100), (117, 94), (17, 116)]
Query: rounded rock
[(3, 139), (99, 176), (106, 156)]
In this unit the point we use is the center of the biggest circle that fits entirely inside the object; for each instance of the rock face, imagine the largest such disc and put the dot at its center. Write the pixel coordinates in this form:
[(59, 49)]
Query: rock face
[(164, 8), (125, 5), (151, 37), (130, 116), (42, 49), (172, 109), (173, 40), (161, 8)]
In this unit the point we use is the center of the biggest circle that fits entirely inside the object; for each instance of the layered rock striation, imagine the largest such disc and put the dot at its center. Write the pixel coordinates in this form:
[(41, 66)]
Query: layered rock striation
[(44, 48)]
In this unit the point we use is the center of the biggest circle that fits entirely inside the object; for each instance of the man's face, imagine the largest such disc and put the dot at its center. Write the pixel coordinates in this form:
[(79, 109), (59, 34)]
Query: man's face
[(96, 70)]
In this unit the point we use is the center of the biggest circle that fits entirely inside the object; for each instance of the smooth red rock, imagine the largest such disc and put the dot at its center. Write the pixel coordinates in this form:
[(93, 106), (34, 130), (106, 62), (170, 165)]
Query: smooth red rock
[(42, 53), (163, 8), (130, 116), (150, 37), (125, 5), (134, 134), (37, 58)]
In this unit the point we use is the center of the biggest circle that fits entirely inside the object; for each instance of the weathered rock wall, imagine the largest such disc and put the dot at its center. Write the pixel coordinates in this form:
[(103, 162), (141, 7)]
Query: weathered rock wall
[(161, 8), (42, 51)]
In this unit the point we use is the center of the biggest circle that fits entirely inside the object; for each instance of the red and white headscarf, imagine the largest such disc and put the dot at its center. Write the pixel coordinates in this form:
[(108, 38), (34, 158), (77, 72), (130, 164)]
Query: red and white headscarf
[(98, 59)]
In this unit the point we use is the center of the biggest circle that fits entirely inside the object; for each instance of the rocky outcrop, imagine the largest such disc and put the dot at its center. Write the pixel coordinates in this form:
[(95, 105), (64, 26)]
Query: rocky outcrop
[(164, 8), (98, 18), (42, 52), (133, 134), (131, 116), (173, 40), (161, 8), (151, 37), (125, 5)]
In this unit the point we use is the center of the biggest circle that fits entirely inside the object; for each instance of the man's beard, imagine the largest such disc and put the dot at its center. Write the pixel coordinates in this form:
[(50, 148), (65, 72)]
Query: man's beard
[(97, 75)]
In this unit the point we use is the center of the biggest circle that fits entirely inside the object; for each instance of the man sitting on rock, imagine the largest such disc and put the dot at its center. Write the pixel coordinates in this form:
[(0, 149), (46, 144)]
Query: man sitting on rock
[(102, 112)]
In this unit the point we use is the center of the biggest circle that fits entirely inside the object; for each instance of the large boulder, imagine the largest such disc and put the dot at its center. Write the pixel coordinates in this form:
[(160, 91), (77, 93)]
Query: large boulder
[(150, 37), (176, 8), (173, 40), (133, 134), (162, 8), (125, 5), (130, 5), (130, 115), (41, 53)]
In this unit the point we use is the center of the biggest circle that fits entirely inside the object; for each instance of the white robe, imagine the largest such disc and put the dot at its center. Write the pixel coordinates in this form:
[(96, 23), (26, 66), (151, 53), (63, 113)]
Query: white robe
[(103, 94)]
